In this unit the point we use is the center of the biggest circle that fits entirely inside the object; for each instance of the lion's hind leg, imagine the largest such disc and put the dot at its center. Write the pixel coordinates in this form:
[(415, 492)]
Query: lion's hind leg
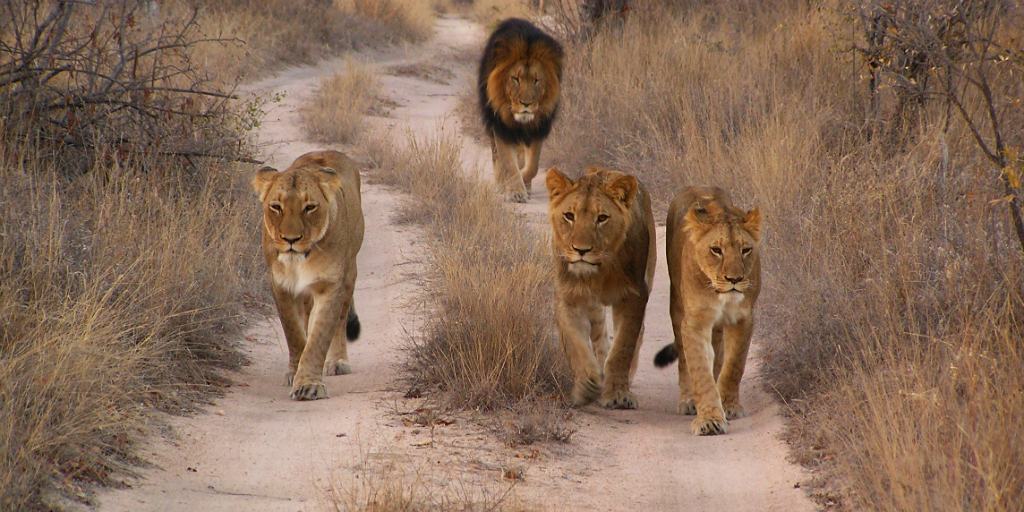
[(337, 357)]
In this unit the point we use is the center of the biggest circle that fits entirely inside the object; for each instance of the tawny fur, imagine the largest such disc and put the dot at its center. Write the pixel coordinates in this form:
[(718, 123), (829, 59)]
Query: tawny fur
[(715, 270), (312, 232), (605, 249), (519, 85)]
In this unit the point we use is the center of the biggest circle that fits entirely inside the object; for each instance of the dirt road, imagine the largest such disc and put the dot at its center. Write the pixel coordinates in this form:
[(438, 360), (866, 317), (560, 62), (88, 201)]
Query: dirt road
[(257, 450)]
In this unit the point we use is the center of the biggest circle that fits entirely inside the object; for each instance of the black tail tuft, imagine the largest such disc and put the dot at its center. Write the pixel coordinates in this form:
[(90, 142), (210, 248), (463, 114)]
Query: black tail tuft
[(666, 356), (352, 326)]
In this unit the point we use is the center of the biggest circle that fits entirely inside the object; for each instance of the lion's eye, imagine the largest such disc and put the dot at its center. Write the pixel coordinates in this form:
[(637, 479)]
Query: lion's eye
[(515, 79), (309, 208), (602, 218), (569, 216), (747, 251), (717, 251), (276, 207)]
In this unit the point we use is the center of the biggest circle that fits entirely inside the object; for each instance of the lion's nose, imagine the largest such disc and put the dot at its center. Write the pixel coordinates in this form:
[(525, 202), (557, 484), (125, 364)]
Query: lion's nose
[(291, 240), (581, 250), (525, 103), (733, 280)]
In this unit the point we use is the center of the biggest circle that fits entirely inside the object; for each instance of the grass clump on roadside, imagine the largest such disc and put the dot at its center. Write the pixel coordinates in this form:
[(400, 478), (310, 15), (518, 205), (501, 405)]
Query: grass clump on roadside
[(892, 311), (335, 112), (488, 337)]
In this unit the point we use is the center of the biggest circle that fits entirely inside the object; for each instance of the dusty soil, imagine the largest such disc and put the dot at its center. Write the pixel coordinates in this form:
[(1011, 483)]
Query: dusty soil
[(257, 450)]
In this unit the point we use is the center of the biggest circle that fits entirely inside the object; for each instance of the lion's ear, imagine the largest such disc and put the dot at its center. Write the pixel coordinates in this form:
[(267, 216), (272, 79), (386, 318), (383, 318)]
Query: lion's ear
[(262, 181), (557, 183), (624, 189), (698, 215), (752, 221)]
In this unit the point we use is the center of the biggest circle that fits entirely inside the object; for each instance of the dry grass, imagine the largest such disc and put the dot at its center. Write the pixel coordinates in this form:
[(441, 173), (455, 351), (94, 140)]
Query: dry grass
[(487, 342), (386, 483), (124, 253), (113, 306), (276, 33), (892, 315), (334, 113)]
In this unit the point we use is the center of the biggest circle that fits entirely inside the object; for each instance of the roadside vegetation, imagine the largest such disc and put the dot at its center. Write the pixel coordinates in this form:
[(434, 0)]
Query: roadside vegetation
[(485, 343), (128, 231), (883, 143), (336, 111)]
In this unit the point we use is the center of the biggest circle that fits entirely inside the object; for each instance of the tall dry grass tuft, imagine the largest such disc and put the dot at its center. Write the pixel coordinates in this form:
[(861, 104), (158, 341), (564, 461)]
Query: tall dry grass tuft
[(334, 113), (891, 318), (126, 240), (113, 306), (488, 335)]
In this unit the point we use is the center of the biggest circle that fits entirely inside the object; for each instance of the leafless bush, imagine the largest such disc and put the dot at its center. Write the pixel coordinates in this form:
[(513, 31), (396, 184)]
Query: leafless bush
[(965, 53), (88, 81)]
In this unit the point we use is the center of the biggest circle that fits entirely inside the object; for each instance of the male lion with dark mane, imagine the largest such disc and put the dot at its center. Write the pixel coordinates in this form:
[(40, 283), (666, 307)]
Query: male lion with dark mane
[(605, 250), (312, 232), (715, 270), (518, 86)]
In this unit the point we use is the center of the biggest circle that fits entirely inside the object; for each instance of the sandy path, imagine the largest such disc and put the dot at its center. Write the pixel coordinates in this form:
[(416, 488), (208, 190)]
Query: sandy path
[(257, 450)]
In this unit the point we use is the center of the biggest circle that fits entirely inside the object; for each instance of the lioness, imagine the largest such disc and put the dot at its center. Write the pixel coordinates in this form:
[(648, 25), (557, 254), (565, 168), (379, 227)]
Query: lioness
[(312, 231), (605, 250), (518, 87), (715, 270)]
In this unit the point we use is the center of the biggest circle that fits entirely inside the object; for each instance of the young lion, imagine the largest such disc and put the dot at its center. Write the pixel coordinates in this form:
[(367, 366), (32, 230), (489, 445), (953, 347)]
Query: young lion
[(312, 232), (518, 87), (605, 250), (715, 270)]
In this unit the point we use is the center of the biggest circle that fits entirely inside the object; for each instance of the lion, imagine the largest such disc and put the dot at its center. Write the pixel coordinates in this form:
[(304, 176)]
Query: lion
[(518, 87), (715, 270), (312, 232), (605, 251)]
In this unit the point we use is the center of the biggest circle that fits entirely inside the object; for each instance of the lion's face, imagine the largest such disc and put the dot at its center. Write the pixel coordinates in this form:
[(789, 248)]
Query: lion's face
[(526, 86), (725, 242), (589, 217), (296, 208), (523, 88)]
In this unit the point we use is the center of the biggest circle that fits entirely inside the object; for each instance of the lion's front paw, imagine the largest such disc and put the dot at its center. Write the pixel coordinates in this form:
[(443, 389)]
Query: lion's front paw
[(619, 399), (709, 426), (734, 411), (288, 377), (585, 391), (687, 406), (339, 367), (312, 390)]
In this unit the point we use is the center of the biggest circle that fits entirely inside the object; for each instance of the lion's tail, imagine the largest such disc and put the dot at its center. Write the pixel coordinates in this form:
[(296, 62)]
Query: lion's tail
[(666, 356), (352, 326)]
